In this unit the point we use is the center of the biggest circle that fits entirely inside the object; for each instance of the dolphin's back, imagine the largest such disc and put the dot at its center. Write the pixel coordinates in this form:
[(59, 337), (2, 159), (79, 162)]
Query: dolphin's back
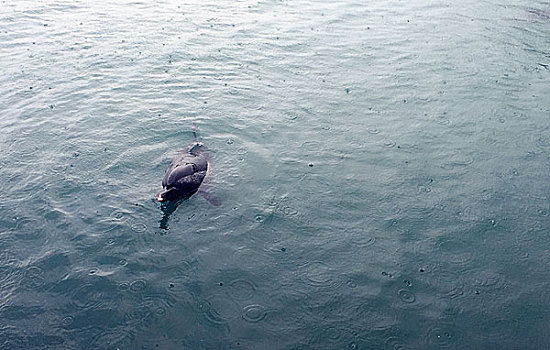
[(186, 172)]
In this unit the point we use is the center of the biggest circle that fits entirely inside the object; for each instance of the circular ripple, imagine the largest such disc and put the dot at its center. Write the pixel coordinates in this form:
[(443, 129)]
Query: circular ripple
[(444, 282), (388, 143), (406, 296), (290, 116), (461, 160), (488, 280), (318, 274), (255, 215), (333, 334), (117, 338), (117, 215), (219, 309), (395, 343), (296, 172), (373, 131), (137, 316), (123, 286), (440, 337), (67, 321), (241, 289), (160, 311), (254, 313), (313, 146), (289, 211), (138, 227), (87, 296), (360, 237), (138, 285), (543, 141), (58, 168), (33, 278), (456, 252), (159, 303), (24, 147)]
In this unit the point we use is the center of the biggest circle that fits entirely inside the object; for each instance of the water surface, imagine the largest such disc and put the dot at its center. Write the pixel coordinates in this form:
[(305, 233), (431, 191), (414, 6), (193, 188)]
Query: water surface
[(383, 169)]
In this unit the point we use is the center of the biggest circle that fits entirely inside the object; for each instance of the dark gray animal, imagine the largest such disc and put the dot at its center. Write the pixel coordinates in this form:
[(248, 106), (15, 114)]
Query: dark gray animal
[(185, 174)]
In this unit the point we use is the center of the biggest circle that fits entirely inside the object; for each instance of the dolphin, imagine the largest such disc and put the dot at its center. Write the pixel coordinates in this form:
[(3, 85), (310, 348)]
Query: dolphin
[(185, 173), (184, 177)]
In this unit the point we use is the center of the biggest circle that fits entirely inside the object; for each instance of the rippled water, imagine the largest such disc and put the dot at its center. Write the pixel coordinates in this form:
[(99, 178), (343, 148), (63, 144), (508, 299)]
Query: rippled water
[(383, 169)]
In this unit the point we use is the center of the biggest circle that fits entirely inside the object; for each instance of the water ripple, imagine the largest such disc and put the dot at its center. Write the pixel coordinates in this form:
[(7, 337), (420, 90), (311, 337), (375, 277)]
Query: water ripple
[(318, 274), (456, 251), (138, 227), (446, 283), (137, 316), (406, 296), (440, 336), (395, 343), (333, 334), (159, 303), (487, 281), (89, 296), (117, 338), (219, 309), (256, 216), (24, 147), (11, 339), (33, 278), (312, 146), (254, 313), (373, 131), (360, 237), (138, 286), (67, 321), (388, 143), (241, 289), (327, 122)]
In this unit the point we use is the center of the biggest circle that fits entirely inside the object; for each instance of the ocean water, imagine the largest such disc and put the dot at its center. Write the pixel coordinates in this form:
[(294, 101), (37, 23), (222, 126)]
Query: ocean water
[(382, 167)]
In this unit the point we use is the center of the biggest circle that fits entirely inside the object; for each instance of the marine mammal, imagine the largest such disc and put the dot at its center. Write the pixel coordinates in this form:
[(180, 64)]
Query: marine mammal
[(185, 173)]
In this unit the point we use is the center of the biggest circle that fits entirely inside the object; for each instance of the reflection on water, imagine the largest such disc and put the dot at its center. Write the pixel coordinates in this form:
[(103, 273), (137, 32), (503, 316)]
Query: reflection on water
[(168, 208)]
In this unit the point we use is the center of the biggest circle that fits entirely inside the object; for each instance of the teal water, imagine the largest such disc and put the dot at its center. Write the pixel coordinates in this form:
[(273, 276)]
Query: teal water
[(383, 169)]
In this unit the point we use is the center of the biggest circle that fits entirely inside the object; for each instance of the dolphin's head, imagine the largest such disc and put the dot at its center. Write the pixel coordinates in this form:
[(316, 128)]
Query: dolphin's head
[(174, 193), (168, 194)]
